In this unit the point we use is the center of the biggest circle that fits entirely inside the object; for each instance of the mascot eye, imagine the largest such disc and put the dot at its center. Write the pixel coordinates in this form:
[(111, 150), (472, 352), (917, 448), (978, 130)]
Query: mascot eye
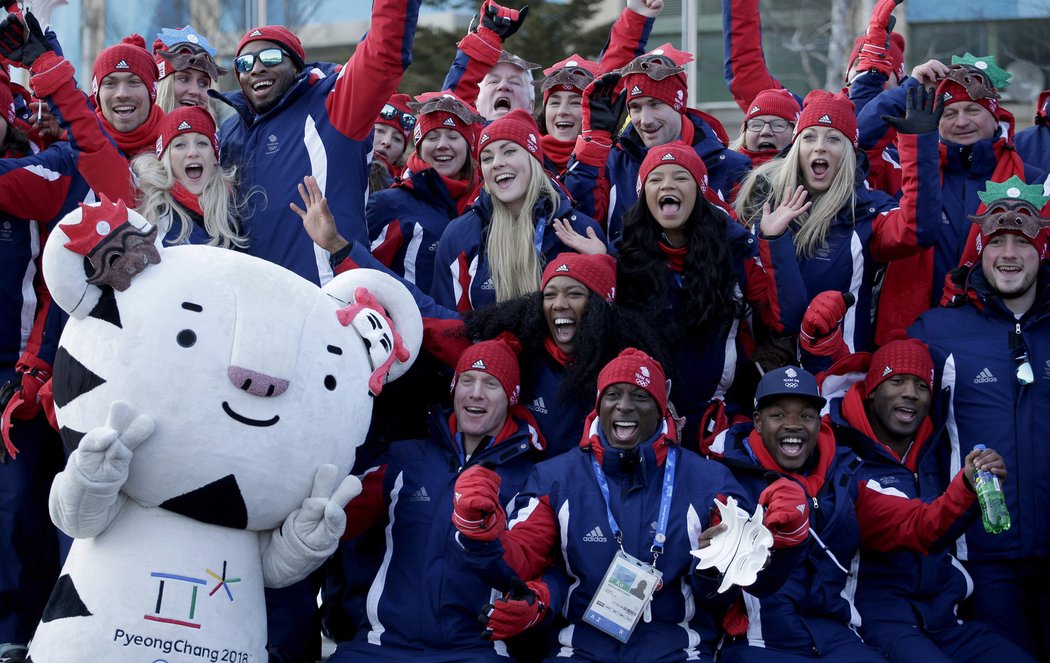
[(186, 338), (329, 382)]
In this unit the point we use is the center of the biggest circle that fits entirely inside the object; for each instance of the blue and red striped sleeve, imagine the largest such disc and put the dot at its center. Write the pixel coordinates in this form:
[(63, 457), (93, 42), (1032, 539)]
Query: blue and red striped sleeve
[(586, 178), (375, 69), (774, 285), (476, 54), (745, 69), (628, 38), (369, 508), (890, 521), (873, 132), (913, 225)]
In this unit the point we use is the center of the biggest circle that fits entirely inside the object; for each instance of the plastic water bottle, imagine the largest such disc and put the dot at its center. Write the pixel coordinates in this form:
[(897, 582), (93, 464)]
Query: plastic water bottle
[(993, 504)]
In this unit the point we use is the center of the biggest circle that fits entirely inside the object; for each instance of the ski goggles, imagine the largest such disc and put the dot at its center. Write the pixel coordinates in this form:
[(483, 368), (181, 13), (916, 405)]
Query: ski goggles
[(406, 120)]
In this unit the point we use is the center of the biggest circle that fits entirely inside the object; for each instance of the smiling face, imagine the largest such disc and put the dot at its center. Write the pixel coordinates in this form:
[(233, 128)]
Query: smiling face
[(564, 305), (388, 143), (1010, 263), (656, 122), (789, 427), (563, 115), (125, 101), (821, 151), (505, 88), (966, 122), (897, 407), (765, 138), (627, 414), (480, 405), (192, 161), (670, 194), (263, 85), (507, 169), (446, 150), (190, 87)]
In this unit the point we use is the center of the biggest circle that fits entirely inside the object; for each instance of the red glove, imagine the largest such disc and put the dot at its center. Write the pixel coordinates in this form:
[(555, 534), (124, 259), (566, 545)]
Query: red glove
[(821, 333), (476, 511), (504, 21), (787, 512), (21, 398), (517, 611), (875, 50)]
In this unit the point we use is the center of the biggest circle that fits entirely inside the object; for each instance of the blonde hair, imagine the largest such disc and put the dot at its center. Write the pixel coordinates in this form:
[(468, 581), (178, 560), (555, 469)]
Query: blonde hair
[(776, 178), (156, 204), (166, 96), (513, 261)]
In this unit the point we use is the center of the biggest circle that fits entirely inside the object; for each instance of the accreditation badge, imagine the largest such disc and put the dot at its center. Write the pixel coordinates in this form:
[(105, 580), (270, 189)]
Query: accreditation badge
[(622, 597)]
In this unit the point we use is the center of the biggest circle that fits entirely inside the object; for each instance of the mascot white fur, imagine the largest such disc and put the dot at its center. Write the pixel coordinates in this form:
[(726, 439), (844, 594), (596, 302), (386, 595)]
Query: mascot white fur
[(215, 401)]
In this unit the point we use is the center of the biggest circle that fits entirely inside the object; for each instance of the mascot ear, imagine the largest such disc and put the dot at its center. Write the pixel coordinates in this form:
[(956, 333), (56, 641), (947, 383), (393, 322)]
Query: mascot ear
[(385, 315), (96, 246)]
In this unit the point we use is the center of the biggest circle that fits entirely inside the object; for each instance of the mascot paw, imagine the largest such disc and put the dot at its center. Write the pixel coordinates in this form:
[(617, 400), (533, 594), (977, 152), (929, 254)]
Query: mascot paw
[(321, 520), (105, 453)]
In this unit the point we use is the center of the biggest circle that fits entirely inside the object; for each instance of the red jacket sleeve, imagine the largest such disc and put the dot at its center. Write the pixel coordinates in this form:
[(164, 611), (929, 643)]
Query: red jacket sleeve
[(369, 508), (529, 543), (890, 521), (627, 40), (477, 53), (914, 225), (745, 72)]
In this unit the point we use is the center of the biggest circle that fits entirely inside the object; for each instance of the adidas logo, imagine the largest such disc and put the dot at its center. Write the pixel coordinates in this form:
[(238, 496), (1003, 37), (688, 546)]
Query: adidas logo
[(449, 122), (562, 268), (183, 126), (636, 90), (595, 536), (886, 371), (480, 365), (985, 377), (256, 33), (755, 109), (122, 65), (488, 284), (801, 508), (667, 157), (947, 96), (538, 406), (824, 119), (420, 495)]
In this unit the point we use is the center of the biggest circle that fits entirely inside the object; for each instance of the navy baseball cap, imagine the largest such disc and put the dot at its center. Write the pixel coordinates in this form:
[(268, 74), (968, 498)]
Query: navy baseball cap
[(787, 381)]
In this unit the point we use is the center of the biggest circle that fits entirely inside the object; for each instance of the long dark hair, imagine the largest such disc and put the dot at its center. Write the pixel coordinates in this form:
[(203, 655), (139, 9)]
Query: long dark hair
[(16, 143), (708, 303), (604, 331)]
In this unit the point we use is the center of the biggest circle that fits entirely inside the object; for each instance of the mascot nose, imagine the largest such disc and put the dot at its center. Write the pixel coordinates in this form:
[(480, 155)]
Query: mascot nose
[(256, 383)]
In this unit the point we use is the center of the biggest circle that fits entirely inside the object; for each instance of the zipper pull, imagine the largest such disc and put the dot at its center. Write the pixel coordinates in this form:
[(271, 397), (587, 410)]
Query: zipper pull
[(816, 504)]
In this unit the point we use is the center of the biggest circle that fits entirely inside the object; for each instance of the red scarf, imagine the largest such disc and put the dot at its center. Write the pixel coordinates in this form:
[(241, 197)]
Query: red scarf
[(186, 198), (141, 139), (760, 157), (558, 151), (555, 352), (811, 482), (675, 257), (463, 192), (855, 414), (908, 283)]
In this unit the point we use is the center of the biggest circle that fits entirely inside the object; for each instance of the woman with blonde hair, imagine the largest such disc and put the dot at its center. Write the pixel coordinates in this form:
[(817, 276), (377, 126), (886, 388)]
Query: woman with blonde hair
[(186, 67), (182, 188), (497, 250), (844, 233)]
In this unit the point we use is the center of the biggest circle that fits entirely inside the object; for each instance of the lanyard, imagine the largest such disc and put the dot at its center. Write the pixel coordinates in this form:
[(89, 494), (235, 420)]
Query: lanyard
[(665, 503)]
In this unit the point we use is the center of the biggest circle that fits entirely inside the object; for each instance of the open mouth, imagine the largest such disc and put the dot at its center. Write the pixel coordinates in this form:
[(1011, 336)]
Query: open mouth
[(194, 171), (262, 86), (905, 414), (669, 205), (790, 446), (564, 126), (624, 431), (502, 104), (564, 329), (504, 179), (124, 109), (248, 420), (819, 167), (767, 145)]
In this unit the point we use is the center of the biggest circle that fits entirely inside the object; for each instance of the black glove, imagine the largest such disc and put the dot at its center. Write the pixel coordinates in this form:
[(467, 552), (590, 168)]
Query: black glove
[(602, 107), (502, 20), (922, 115), (22, 42)]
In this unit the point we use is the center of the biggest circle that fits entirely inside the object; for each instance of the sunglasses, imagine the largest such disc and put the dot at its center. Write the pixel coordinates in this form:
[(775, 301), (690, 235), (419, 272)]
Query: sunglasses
[(269, 57), (1019, 352), (777, 126), (406, 120)]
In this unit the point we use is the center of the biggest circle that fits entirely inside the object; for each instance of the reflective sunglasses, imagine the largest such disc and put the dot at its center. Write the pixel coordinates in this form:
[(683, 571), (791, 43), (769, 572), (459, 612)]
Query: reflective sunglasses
[(406, 120), (270, 57), (777, 126)]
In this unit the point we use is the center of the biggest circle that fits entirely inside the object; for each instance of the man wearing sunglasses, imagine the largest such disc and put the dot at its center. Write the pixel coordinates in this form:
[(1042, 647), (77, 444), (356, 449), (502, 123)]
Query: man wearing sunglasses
[(991, 352), (296, 119)]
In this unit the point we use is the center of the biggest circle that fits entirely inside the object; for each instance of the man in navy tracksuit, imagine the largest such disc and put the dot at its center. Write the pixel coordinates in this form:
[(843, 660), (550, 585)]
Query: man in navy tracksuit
[(992, 355), (424, 603), (296, 119), (908, 602)]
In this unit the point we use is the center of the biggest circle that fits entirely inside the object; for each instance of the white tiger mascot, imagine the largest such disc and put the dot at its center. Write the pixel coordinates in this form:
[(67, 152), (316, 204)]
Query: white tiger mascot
[(215, 401)]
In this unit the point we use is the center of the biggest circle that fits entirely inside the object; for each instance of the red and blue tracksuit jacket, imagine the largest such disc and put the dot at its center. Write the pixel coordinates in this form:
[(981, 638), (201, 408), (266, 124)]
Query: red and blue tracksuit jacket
[(815, 609), (973, 346), (560, 518), (405, 224), (462, 280), (561, 422), (321, 127), (1033, 143), (603, 181), (425, 599)]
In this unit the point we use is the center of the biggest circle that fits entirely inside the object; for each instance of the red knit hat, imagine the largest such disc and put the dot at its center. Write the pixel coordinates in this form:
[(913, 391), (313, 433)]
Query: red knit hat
[(779, 103), (129, 56), (597, 272), (824, 109), (976, 79), (444, 110), (570, 75), (499, 358), (633, 366), (901, 357), (896, 53), (953, 93), (7, 98), (278, 34), (677, 153), (517, 126), (397, 114), (187, 120), (658, 74)]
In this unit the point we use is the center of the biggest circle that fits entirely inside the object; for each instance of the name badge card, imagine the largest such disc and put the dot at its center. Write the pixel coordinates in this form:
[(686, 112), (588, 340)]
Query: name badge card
[(622, 597)]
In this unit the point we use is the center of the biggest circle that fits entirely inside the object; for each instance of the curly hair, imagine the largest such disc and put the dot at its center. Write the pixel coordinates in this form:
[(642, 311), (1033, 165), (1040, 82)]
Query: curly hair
[(709, 302)]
